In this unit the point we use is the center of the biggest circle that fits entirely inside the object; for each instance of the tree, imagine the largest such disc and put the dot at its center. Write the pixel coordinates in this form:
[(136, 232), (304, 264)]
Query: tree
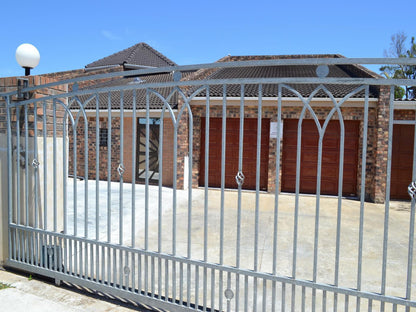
[(398, 49)]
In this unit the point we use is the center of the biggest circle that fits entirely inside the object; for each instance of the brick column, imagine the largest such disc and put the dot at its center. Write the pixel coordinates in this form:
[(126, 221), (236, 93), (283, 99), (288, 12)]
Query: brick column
[(382, 143), (183, 146)]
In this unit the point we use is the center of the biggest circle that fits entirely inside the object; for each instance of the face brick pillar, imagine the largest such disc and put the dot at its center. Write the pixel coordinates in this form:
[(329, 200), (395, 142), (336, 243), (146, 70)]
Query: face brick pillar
[(183, 147), (382, 135)]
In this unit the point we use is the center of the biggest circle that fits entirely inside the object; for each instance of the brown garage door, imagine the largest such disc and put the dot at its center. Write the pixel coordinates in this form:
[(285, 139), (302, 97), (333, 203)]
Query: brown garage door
[(330, 157), (402, 161), (232, 150)]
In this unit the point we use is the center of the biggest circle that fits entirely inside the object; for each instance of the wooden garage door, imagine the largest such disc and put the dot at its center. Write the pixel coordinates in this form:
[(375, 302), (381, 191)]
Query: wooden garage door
[(402, 161), (232, 150), (330, 157)]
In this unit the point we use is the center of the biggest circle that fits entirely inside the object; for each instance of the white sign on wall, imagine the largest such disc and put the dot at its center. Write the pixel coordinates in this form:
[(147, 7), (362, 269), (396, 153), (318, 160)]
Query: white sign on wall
[(273, 129)]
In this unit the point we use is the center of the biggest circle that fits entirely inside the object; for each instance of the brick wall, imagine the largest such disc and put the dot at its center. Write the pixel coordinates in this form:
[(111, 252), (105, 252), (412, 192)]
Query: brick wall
[(404, 114), (42, 108), (83, 152)]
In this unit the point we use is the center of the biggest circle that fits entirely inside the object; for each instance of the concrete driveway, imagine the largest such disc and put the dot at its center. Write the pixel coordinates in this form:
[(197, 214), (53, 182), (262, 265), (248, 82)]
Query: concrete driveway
[(373, 232)]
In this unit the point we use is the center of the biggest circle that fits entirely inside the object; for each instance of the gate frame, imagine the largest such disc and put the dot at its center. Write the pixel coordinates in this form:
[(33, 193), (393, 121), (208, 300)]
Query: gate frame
[(18, 231)]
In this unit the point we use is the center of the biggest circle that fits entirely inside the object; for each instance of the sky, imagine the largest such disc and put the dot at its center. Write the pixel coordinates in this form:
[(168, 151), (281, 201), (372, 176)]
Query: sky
[(72, 34)]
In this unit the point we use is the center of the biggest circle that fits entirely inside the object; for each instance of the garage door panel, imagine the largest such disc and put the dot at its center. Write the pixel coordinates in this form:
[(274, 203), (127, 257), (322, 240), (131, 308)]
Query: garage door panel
[(402, 160), (249, 149), (310, 140), (329, 171), (330, 157)]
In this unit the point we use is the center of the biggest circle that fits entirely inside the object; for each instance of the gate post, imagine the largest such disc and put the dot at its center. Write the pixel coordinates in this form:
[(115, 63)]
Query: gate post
[(3, 183), (9, 84), (6, 85)]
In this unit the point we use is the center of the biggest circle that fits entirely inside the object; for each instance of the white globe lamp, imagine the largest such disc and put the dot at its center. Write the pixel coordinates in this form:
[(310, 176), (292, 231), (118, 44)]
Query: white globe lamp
[(27, 56)]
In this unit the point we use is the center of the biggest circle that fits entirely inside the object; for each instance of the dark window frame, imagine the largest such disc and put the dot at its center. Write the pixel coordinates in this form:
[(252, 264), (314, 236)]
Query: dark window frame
[(103, 137)]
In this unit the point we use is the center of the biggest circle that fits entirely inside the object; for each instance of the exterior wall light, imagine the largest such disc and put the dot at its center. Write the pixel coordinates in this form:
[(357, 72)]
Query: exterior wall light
[(27, 56)]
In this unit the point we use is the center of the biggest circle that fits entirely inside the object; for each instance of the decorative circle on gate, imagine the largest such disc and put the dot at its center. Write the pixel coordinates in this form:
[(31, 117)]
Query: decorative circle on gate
[(322, 71), (411, 189), (120, 169), (239, 178), (35, 163), (126, 270), (229, 294)]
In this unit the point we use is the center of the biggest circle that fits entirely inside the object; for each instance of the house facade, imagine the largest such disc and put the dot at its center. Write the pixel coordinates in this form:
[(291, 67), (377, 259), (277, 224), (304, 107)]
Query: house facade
[(292, 114), (114, 140)]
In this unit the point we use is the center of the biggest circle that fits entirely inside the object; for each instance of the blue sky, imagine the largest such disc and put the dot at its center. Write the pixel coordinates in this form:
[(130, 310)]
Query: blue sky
[(71, 34)]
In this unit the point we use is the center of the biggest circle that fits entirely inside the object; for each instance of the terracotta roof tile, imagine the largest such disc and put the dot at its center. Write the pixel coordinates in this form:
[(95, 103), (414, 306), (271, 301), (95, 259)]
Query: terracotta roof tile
[(139, 54), (284, 71)]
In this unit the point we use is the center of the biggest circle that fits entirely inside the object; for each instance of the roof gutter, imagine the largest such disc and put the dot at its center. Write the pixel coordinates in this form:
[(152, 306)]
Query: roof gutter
[(87, 69), (134, 66)]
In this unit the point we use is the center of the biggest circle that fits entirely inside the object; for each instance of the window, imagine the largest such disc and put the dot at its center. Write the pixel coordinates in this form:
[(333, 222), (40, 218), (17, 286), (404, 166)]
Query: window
[(103, 137)]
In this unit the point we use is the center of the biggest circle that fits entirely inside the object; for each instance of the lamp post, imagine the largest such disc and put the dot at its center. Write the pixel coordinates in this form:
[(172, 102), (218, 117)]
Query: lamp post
[(27, 56)]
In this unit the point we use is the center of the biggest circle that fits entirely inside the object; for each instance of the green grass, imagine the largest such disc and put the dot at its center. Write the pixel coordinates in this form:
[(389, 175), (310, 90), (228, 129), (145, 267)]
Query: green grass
[(4, 286)]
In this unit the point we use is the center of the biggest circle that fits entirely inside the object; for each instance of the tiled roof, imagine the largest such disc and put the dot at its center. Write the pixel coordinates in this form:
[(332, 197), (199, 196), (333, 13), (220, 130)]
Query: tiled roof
[(286, 71), (140, 54), (154, 101)]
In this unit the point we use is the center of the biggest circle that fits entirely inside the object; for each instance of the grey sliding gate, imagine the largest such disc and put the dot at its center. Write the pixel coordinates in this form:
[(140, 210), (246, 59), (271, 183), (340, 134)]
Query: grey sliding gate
[(78, 214)]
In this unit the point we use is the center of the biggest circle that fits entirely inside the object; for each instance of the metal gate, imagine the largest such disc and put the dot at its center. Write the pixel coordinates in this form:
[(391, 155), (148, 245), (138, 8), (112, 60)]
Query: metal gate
[(78, 214)]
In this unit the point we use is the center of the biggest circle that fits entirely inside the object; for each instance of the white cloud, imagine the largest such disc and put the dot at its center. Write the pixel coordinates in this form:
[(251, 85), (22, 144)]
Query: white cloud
[(109, 35)]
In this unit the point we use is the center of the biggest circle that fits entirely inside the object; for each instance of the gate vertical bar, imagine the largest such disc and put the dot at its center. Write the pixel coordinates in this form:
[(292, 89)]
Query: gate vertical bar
[(18, 146), (97, 172), (45, 170), (387, 198), (146, 192), (362, 199), (86, 177), (296, 213), (109, 126), (75, 173), (121, 168), (257, 209), (190, 173), (120, 172), (26, 168), (133, 177), (321, 131), (240, 183), (133, 194), (10, 176), (276, 194), (207, 133), (65, 166), (36, 156), (339, 208), (160, 198), (223, 150), (146, 197), (411, 228), (54, 168)]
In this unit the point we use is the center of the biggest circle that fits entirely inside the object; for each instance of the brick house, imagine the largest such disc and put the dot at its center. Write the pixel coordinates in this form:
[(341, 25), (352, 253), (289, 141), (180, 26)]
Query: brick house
[(352, 111), (133, 125)]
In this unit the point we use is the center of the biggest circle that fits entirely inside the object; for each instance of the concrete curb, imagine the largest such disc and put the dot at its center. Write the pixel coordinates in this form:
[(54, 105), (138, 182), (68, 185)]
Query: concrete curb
[(36, 295)]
